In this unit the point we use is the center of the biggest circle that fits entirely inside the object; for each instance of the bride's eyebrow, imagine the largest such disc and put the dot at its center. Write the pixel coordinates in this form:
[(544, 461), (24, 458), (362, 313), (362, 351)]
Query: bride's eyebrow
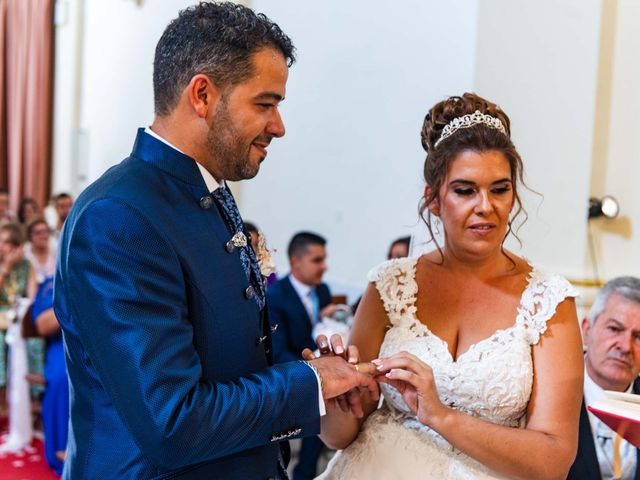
[(471, 183), (462, 181), (502, 180)]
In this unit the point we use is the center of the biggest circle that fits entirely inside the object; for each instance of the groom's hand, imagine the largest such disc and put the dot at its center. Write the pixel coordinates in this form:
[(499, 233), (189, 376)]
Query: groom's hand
[(350, 400), (338, 376)]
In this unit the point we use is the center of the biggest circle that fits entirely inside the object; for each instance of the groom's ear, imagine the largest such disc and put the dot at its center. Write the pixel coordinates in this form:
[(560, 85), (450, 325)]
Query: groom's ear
[(203, 95)]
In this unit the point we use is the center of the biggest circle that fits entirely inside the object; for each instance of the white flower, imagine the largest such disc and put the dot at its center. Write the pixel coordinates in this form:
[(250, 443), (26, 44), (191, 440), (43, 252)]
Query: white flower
[(267, 267)]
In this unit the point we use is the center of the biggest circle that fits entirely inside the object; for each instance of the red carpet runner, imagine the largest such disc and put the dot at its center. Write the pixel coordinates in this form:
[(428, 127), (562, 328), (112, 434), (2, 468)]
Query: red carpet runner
[(28, 465)]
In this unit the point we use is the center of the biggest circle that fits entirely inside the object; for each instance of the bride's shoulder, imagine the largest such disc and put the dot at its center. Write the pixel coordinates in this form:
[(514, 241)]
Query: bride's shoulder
[(392, 268), (540, 278)]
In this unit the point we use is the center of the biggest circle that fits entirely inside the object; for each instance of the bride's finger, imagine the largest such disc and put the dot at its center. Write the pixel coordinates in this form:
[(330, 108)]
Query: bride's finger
[(336, 344), (323, 344), (353, 355), (416, 381), (405, 362)]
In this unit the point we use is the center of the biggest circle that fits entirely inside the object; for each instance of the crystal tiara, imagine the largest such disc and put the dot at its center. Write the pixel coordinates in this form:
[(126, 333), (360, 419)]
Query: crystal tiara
[(470, 120)]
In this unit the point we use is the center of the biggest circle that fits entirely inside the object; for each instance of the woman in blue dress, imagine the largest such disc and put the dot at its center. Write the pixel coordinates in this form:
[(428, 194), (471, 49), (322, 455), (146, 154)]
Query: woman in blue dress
[(55, 405)]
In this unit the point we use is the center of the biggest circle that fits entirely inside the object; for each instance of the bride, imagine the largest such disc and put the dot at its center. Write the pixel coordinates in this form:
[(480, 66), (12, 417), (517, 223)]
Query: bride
[(479, 352)]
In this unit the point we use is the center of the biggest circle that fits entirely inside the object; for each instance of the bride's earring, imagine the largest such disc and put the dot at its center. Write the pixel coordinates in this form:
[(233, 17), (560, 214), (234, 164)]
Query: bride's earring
[(436, 225)]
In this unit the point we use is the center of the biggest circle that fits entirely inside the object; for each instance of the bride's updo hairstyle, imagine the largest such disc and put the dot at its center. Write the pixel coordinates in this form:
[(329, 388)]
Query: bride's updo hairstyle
[(444, 145)]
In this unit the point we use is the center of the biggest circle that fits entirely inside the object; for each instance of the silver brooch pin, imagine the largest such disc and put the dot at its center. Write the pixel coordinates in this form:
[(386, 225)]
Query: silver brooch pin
[(238, 240)]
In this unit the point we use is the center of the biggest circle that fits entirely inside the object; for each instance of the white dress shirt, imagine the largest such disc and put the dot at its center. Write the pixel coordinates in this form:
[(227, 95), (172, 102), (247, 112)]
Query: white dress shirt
[(213, 184), (304, 292), (628, 457)]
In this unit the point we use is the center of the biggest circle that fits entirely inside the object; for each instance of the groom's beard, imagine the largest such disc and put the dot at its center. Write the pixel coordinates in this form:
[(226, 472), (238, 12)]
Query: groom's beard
[(228, 148)]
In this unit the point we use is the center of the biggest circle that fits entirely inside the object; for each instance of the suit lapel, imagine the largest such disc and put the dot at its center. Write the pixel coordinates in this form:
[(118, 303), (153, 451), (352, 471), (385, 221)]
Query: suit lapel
[(636, 389), (587, 449), (297, 302)]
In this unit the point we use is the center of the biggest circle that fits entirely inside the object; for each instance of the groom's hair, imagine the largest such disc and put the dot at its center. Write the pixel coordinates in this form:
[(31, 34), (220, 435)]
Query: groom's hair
[(216, 39)]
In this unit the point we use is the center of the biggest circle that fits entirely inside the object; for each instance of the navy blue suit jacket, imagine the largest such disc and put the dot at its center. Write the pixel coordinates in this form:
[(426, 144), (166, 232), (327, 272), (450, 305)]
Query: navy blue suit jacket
[(585, 466), (286, 310), (168, 364)]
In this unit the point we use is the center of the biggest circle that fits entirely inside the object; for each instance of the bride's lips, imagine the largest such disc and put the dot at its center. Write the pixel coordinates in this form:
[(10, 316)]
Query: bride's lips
[(482, 228)]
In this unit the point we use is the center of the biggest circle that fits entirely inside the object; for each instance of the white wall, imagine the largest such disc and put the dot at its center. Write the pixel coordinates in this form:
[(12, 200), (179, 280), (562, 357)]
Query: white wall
[(116, 95), (617, 242), (350, 165), (66, 40), (539, 61)]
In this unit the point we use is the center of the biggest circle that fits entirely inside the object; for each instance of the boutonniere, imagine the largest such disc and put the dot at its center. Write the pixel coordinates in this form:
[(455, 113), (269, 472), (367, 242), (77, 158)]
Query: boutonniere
[(267, 267)]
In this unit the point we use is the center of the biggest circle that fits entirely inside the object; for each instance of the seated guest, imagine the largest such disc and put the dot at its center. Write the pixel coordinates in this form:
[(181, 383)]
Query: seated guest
[(399, 248), (40, 250), (611, 335), (62, 203), (28, 209), (17, 280), (55, 404), (6, 215), (296, 303)]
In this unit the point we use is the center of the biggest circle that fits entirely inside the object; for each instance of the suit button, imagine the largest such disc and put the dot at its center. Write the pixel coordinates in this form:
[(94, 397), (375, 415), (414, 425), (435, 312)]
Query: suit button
[(248, 292), (229, 246), (206, 201)]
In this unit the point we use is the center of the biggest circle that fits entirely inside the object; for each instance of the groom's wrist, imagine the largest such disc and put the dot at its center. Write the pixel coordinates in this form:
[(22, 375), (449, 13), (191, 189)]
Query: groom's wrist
[(321, 406)]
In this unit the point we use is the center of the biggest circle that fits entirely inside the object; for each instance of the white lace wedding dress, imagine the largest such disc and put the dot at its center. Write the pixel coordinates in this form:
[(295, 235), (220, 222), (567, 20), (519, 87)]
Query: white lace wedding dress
[(492, 381)]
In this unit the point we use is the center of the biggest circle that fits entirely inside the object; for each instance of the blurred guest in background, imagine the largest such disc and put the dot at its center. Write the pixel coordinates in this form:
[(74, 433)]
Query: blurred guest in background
[(399, 248), (28, 210), (296, 303), (55, 405), (40, 250), (62, 203), (258, 243), (6, 215), (17, 280)]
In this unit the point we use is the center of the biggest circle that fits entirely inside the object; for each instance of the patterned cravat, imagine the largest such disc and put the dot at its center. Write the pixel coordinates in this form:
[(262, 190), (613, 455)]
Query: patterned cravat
[(232, 218)]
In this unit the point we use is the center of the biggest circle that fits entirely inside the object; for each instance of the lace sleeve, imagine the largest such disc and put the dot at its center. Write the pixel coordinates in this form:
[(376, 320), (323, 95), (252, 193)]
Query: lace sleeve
[(540, 301), (395, 281)]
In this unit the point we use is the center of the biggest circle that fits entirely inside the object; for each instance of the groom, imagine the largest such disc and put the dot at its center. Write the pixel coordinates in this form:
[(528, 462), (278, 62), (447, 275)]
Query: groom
[(160, 298)]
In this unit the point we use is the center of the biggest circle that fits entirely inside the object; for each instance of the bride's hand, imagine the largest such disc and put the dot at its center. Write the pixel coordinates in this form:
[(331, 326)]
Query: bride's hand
[(414, 380), (349, 401)]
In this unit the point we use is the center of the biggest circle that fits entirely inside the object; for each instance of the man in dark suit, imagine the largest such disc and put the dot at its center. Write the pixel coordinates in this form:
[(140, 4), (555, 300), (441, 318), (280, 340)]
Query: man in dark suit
[(611, 335), (296, 303), (299, 300), (160, 297)]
